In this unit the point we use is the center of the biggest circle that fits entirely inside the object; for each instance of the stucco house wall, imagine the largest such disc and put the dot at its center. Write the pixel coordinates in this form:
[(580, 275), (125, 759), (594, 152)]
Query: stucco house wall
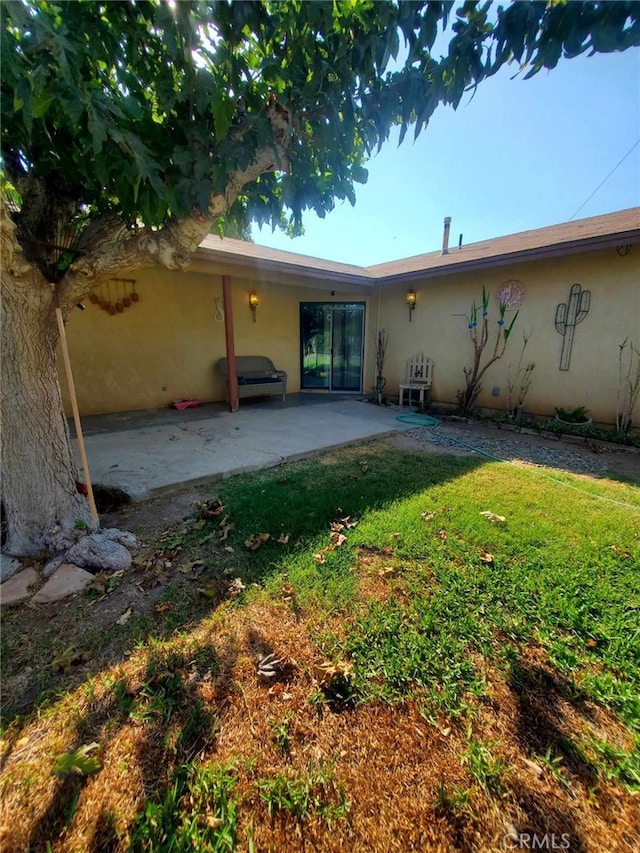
[(439, 328), (165, 346)]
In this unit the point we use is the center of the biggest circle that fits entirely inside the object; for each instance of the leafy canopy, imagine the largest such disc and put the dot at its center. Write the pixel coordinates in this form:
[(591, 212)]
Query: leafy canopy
[(149, 109)]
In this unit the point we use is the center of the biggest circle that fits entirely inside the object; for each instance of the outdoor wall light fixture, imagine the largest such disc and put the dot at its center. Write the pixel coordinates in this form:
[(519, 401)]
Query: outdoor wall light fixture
[(254, 301), (411, 301)]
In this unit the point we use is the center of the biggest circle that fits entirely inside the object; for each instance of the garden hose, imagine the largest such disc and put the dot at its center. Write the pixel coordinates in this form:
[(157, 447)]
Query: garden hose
[(416, 418), (432, 424)]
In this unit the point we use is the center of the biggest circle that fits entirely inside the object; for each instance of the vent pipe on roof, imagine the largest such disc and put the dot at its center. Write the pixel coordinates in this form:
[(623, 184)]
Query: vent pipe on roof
[(445, 236), (460, 242)]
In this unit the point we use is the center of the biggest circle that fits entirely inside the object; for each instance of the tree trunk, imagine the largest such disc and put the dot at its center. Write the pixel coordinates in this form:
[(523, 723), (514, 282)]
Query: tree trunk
[(39, 474)]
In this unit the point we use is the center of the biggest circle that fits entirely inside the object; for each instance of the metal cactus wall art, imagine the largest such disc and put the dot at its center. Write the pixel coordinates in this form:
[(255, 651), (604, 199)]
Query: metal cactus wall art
[(568, 315)]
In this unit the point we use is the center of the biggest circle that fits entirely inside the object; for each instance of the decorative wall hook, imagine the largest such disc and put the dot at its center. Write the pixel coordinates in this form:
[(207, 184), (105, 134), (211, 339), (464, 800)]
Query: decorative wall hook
[(568, 315)]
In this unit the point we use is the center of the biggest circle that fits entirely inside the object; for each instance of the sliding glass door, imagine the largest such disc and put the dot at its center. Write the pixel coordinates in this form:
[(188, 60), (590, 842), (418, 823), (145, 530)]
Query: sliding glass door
[(331, 345)]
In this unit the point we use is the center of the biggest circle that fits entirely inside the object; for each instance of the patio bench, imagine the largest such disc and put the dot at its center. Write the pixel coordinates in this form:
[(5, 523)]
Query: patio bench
[(257, 376)]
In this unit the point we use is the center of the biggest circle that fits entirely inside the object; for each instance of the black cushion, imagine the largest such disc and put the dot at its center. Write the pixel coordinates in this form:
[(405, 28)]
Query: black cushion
[(258, 380)]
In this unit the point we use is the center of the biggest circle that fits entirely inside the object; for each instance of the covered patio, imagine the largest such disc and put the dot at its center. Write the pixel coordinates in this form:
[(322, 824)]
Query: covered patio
[(146, 452)]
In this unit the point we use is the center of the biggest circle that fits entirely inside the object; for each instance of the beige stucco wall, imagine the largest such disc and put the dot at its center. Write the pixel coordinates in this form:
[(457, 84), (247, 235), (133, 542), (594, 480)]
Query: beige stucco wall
[(164, 347), (439, 328)]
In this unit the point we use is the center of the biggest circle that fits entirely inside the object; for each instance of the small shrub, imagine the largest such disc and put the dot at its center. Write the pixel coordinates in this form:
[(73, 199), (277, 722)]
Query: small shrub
[(579, 415)]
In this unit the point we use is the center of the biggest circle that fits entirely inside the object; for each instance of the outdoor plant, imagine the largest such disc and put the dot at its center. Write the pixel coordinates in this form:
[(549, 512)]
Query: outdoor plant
[(518, 384), (576, 416), (473, 375), (628, 385), (382, 339)]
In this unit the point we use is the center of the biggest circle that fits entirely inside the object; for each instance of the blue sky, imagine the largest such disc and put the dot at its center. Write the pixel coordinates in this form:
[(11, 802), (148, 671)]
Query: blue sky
[(521, 154)]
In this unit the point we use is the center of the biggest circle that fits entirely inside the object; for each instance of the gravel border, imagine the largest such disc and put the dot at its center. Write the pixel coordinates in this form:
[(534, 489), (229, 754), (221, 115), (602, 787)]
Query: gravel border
[(510, 450)]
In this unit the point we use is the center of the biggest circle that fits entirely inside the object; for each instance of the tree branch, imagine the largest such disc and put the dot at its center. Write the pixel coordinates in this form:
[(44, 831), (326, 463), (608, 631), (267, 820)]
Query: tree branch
[(109, 247)]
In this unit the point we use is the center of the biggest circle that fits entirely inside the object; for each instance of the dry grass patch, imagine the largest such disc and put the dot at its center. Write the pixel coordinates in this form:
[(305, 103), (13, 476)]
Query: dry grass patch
[(400, 694), (389, 779)]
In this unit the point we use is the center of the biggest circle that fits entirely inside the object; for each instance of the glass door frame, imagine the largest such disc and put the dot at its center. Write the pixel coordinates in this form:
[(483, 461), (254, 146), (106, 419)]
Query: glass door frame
[(333, 304)]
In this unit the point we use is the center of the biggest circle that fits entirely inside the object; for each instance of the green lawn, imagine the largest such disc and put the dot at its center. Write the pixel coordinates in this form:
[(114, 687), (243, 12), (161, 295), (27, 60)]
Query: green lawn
[(512, 639)]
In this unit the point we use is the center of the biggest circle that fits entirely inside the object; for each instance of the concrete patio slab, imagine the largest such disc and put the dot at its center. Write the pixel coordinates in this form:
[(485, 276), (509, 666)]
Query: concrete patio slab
[(159, 455)]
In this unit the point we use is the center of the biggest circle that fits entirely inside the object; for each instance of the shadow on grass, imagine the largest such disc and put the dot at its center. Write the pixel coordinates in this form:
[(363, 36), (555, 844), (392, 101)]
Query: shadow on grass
[(173, 724), (549, 707), (301, 500), (547, 702)]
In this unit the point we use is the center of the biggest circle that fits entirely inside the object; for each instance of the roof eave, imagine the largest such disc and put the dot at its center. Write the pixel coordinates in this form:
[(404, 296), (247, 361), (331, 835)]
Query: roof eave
[(606, 241), (285, 268)]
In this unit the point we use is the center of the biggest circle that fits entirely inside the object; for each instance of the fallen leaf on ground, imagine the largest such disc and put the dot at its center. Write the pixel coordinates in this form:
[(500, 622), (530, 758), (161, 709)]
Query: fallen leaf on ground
[(122, 620), (279, 690), (326, 671), (486, 557), (287, 591), (209, 592), (163, 607), (427, 516), (534, 768), (320, 556), (195, 566), (491, 516), (591, 644), (348, 523), (236, 588), (229, 549), (225, 529), (209, 509), (152, 580), (338, 539), (617, 550), (283, 539), (442, 534), (388, 572), (255, 541), (99, 583), (70, 658), (105, 582), (79, 761), (269, 666)]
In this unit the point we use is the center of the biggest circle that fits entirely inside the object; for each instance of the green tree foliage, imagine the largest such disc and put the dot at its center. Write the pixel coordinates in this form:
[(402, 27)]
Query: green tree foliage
[(150, 109)]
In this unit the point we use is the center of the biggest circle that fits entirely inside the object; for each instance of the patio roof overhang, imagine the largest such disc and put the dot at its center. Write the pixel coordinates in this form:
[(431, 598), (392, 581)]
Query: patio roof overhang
[(239, 257), (598, 232)]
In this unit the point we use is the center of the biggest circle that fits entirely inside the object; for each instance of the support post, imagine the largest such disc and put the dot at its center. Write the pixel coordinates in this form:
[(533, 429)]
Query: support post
[(76, 414), (230, 345)]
